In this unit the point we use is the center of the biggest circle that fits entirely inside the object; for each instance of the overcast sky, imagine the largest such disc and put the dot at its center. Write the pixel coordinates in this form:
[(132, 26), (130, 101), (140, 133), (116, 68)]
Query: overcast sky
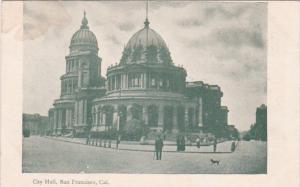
[(218, 43)]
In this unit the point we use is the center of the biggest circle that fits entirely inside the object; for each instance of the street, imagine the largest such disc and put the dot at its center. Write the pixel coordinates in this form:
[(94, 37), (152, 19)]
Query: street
[(44, 155)]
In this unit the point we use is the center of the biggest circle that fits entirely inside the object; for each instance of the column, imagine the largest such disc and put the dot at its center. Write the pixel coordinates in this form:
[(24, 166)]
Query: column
[(103, 118), (161, 116), (71, 118), (175, 124), (85, 112), (129, 114), (126, 81), (122, 82), (67, 118), (200, 118), (79, 77), (142, 80), (115, 116), (186, 116), (59, 119), (99, 115), (145, 80), (95, 121), (145, 114), (79, 112), (115, 85), (55, 120), (194, 117), (76, 113), (72, 88)]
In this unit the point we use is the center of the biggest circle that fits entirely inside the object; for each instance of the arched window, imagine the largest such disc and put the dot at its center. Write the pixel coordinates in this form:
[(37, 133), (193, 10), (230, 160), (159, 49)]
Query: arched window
[(180, 118), (152, 115), (137, 111), (108, 110), (134, 80), (65, 87), (191, 116), (168, 118), (113, 82), (122, 112), (94, 116), (99, 115)]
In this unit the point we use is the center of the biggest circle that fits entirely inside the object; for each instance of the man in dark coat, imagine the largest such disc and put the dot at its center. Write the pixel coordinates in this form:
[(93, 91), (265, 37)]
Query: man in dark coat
[(158, 147), (215, 144), (233, 146), (183, 143), (178, 143)]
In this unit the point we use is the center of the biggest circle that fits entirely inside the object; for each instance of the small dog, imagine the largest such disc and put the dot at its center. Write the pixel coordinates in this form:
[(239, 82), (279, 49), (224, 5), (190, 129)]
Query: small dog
[(214, 161)]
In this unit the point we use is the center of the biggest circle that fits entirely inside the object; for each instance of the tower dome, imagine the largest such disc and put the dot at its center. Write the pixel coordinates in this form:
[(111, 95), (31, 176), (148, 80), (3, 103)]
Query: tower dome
[(84, 39), (146, 46)]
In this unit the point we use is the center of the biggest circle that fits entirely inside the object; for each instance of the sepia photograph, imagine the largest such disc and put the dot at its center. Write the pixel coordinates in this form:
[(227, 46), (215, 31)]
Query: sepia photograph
[(145, 87)]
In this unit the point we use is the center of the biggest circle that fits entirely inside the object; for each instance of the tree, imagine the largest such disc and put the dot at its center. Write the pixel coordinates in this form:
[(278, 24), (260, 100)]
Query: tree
[(134, 130)]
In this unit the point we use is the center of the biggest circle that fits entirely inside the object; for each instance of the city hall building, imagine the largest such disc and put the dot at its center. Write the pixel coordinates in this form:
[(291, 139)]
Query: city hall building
[(145, 85)]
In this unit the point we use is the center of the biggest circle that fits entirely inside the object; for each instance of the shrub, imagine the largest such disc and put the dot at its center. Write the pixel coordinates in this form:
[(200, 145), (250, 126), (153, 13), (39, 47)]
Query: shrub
[(134, 130), (109, 134), (26, 132)]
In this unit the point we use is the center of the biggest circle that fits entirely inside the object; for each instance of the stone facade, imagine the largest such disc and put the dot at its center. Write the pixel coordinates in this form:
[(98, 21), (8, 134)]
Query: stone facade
[(36, 124), (145, 85)]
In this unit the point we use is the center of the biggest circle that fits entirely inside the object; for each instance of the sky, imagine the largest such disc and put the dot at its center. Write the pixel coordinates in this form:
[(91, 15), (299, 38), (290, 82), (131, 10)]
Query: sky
[(218, 43)]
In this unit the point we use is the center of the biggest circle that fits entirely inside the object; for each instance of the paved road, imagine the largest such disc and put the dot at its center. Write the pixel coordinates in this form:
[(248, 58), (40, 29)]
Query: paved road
[(43, 155)]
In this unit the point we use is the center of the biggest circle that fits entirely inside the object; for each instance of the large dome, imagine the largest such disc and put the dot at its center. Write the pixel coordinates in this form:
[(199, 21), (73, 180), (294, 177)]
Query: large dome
[(146, 46), (146, 37), (84, 39)]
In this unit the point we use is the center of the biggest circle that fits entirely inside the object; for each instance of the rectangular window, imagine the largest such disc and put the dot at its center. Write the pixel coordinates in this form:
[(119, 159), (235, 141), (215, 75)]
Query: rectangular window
[(153, 82), (136, 81), (161, 83), (73, 64), (113, 83)]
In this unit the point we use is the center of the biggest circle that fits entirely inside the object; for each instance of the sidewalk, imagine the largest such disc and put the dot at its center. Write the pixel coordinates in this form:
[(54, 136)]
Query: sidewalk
[(223, 147)]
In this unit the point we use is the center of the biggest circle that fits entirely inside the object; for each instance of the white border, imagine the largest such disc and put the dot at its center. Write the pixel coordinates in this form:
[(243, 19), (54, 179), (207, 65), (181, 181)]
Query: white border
[(283, 112)]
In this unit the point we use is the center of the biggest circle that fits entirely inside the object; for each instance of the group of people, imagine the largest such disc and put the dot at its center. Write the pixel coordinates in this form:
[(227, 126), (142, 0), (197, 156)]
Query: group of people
[(180, 142)]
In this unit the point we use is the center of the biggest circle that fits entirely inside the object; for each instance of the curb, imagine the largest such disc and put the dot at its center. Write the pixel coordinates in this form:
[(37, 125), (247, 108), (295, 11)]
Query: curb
[(138, 150)]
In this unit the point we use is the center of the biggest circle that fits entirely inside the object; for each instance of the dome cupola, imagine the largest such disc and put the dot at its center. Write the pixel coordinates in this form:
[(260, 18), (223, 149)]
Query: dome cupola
[(84, 39), (146, 46)]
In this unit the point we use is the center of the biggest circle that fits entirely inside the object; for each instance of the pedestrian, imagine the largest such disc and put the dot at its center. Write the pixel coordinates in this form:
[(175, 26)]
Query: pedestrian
[(158, 147), (118, 140), (183, 143), (178, 143), (215, 144), (88, 138), (198, 142), (233, 146)]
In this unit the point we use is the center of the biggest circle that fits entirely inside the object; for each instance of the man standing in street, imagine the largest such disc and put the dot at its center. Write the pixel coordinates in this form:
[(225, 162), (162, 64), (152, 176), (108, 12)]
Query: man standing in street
[(158, 147), (215, 144)]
